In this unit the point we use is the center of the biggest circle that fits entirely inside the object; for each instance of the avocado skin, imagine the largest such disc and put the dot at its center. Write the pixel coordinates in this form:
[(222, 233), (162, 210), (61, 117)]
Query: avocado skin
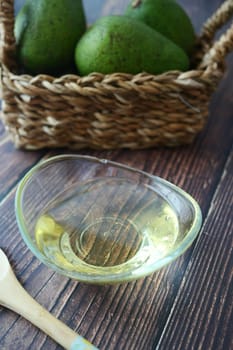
[(46, 33), (168, 18), (125, 45)]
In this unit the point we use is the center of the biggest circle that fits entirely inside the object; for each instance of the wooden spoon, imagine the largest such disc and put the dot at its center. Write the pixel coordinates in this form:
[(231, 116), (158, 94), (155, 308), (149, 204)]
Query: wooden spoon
[(14, 297)]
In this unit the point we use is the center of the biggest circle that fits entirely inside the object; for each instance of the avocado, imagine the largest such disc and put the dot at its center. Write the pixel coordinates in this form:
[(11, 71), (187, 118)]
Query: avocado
[(167, 17), (46, 34), (120, 44)]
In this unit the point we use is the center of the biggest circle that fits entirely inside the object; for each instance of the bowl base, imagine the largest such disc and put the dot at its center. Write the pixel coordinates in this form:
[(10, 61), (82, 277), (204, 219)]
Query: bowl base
[(108, 223)]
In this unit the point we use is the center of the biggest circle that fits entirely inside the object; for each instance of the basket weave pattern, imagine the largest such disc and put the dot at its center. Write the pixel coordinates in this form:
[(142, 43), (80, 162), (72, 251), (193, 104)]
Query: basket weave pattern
[(111, 111)]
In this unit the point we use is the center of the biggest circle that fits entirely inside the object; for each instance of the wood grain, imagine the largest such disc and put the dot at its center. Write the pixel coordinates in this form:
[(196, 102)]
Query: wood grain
[(202, 315), (13, 165), (188, 304)]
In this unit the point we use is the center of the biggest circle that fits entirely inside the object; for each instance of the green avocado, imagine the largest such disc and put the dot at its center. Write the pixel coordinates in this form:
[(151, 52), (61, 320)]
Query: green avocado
[(47, 32), (167, 17), (121, 44)]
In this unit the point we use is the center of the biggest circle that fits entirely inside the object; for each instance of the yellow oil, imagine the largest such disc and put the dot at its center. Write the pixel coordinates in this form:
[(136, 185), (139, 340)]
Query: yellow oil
[(107, 222)]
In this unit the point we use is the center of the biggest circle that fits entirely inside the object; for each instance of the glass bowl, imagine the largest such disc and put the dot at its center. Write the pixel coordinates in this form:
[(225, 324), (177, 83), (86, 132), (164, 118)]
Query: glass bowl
[(99, 221)]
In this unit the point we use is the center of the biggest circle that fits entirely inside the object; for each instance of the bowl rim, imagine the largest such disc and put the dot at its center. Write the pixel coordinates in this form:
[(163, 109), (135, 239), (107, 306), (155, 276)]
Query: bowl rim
[(127, 276)]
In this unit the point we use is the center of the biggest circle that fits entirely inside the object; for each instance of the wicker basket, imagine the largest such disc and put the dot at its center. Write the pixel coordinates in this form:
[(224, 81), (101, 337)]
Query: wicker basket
[(111, 111)]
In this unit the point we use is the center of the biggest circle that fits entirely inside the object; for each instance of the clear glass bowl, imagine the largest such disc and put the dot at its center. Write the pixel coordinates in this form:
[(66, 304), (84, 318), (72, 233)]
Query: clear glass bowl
[(100, 222)]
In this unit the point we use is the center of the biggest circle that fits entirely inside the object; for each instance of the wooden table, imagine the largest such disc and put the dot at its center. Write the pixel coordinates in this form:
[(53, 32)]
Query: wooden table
[(188, 304)]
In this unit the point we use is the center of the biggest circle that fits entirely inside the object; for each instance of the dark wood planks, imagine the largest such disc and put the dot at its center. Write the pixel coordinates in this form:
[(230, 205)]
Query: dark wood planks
[(13, 165), (202, 314), (133, 316)]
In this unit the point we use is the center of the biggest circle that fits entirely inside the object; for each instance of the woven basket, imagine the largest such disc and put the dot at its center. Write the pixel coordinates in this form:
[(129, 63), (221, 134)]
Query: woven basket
[(111, 111)]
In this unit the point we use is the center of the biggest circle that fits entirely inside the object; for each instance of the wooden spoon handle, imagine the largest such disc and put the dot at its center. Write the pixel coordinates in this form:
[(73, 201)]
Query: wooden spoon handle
[(15, 297)]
